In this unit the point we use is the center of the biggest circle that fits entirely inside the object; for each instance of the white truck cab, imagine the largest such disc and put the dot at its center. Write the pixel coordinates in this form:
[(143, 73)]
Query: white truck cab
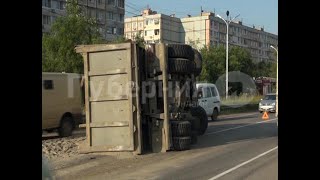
[(209, 99)]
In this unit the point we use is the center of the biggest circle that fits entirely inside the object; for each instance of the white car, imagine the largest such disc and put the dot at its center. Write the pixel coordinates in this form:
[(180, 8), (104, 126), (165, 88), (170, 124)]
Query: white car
[(209, 99)]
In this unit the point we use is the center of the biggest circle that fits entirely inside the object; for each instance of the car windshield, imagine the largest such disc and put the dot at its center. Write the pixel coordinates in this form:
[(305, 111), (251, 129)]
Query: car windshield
[(270, 97)]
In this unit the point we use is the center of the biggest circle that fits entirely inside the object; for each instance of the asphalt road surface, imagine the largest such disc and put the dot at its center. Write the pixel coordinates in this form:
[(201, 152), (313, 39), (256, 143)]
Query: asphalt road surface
[(239, 146)]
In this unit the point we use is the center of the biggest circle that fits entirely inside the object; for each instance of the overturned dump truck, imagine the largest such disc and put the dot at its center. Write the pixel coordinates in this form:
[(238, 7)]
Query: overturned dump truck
[(141, 99)]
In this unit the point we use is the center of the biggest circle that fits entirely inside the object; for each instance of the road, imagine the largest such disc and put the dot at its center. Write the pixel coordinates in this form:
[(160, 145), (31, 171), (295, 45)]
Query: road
[(235, 147)]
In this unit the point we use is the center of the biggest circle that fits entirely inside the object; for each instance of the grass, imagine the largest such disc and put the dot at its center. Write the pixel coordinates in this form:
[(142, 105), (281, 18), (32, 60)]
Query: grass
[(240, 100), (239, 104), (245, 108)]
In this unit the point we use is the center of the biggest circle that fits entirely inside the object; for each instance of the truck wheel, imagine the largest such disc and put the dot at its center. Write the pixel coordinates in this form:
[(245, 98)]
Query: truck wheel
[(194, 137), (201, 114), (214, 116), (180, 128), (180, 66), (181, 143), (66, 127), (198, 62), (180, 51)]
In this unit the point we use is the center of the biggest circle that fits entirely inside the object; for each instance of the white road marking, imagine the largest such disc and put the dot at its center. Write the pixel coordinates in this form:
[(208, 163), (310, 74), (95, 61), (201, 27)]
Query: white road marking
[(244, 163), (242, 126)]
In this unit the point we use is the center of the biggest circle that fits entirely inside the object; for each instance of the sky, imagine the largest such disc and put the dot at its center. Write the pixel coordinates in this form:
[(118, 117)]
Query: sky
[(261, 13)]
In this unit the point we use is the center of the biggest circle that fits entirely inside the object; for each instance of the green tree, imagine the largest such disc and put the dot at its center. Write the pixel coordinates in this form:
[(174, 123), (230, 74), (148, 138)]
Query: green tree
[(58, 45), (140, 41), (214, 62)]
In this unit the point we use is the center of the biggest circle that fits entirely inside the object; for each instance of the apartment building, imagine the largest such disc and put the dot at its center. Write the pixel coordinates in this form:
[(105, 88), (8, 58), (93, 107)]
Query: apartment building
[(199, 31), (213, 31), (108, 13), (153, 27), (51, 9)]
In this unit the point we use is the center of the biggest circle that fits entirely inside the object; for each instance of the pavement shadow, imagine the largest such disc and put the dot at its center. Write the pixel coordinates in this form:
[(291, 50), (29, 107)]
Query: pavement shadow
[(257, 131), (234, 118)]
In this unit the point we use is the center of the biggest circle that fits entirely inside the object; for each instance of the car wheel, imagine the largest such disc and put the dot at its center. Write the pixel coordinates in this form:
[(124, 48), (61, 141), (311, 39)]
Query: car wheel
[(66, 127), (214, 116)]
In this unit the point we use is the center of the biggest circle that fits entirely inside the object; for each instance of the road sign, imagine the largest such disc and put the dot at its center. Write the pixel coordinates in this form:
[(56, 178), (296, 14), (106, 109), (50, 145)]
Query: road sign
[(265, 116)]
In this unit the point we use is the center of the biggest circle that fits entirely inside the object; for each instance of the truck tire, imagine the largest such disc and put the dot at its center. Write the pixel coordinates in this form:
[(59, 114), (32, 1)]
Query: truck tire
[(180, 66), (201, 114), (180, 128), (180, 51), (198, 62), (181, 143), (194, 137), (66, 126)]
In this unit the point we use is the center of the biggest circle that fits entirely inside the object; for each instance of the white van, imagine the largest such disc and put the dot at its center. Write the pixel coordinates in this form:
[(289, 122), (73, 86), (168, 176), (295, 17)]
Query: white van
[(61, 102), (209, 99)]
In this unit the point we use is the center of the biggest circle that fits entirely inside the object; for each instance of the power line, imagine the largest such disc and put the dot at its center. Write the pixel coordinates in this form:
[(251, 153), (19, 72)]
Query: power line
[(132, 13), (139, 7), (132, 7)]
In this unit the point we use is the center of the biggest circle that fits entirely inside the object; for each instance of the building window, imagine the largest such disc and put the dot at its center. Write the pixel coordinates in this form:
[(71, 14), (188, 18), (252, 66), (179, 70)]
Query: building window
[(111, 2), (121, 3), (134, 25), (115, 17), (114, 30), (121, 31), (140, 24), (245, 42), (53, 18), (128, 25), (110, 15), (156, 21), (46, 3), (121, 17), (100, 15), (62, 5), (46, 19), (156, 31), (92, 13), (48, 84), (99, 1), (109, 30), (149, 21), (149, 33)]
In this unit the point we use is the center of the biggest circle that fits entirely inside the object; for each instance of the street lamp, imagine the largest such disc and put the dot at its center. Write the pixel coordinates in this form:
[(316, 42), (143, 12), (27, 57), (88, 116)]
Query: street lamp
[(277, 82), (227, 48)]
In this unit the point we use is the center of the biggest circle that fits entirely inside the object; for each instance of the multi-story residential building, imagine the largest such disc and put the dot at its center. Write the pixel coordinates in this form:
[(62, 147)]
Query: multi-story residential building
[(108, 13), (153, 27), (51, 9), (199, 31)]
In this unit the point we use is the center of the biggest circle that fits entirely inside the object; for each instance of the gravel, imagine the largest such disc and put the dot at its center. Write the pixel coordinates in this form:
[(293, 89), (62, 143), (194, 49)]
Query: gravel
[(61, 147)]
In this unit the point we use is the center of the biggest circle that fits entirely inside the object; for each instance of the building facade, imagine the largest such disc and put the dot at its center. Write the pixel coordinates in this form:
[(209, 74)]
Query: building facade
[(153, 27), (199, 31), (108, 13)]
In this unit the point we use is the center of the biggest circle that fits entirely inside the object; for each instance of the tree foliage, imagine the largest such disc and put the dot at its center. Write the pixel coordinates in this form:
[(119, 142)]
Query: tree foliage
[(58, 54), (214, 63)]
